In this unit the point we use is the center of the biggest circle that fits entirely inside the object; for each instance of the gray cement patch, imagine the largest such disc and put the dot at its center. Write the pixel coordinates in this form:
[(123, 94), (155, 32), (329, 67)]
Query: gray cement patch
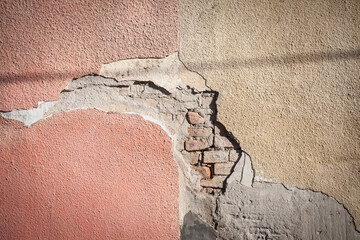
[(270, 211)]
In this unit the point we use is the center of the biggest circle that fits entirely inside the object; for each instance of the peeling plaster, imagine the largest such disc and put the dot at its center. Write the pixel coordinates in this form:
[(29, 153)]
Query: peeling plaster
[(169, 73), (134, 96), (29, 116)]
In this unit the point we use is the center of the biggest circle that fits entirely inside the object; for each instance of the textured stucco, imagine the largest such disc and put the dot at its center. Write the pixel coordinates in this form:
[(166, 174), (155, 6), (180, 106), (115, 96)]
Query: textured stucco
[(87, 174), (288, 77), (44, 44)]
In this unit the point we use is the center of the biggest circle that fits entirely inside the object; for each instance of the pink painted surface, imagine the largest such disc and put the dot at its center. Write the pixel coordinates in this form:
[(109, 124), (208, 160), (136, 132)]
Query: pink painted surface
[(87, 174), (44, 44)]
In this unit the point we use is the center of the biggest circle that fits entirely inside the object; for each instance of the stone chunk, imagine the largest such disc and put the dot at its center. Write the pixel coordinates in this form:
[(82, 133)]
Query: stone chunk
[(215, 182), (248, 172), (194, 157), (243, 172), (194, 118), (208, 102), (195, 145), (200, 131), (222, 142), (223, 168), (234, 155), (216, 156)]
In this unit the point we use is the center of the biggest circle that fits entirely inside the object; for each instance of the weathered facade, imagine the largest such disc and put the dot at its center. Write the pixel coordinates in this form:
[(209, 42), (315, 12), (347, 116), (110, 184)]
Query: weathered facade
[(128, 138)]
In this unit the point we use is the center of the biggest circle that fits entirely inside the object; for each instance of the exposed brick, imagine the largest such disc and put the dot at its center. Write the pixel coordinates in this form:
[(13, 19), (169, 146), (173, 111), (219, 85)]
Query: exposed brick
[(223, 168), (195, 145), (215, 182), (222, 142), (205, 171), (200, 131), (216, 156), (234, 155), (194, 118)]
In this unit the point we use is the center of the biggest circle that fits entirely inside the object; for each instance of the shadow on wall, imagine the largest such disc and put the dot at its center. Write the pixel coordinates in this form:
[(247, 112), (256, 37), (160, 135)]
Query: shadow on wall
[(249, 63), (281, 60)]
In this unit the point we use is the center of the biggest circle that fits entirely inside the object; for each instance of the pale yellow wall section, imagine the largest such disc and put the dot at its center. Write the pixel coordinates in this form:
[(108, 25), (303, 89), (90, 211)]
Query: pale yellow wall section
[(288, 76)]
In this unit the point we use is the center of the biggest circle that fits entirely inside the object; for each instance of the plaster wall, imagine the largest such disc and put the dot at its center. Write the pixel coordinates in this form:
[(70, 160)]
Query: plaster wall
[(87, 174), (44, 44), (288, 76)]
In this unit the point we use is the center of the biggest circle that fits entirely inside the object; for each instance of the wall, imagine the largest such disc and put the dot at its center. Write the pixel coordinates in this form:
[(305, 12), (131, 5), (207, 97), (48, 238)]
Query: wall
[(87, 174), (288, 77), (82, 174), (275, 73), (44, 44)]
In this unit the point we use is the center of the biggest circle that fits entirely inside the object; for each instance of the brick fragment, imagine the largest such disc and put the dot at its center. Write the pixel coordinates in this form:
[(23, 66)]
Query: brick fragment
[(195, 145), (222, 142), (216, 156), (215, 182), (200, 131), (223, 168), (194, 157), (194, 118), (204, 171)]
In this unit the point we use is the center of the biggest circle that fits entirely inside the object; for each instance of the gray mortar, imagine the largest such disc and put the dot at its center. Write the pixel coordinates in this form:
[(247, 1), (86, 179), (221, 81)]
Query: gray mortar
[(270, 211), (239, 211)]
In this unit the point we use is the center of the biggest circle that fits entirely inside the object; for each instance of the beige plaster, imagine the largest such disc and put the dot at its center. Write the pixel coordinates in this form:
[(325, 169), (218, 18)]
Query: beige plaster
[(288, 76), (167, 72)]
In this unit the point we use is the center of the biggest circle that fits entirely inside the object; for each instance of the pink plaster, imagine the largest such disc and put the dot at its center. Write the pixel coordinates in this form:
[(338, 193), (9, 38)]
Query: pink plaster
[(44, 44), (87, 174)]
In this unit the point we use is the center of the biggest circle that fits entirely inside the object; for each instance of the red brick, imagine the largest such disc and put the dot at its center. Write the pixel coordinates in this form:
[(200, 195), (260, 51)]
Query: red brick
[(222, 142), (205, 171), (195, 145), (215, 182), (194, 118), (216, 156), (200, 131), (223, 168)]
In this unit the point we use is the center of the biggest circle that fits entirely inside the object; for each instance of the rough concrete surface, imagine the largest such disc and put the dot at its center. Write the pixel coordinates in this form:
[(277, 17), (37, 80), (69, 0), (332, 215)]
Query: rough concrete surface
[(87, 174), (195, 228), (270, 211), (288, 77), (44, 44)]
